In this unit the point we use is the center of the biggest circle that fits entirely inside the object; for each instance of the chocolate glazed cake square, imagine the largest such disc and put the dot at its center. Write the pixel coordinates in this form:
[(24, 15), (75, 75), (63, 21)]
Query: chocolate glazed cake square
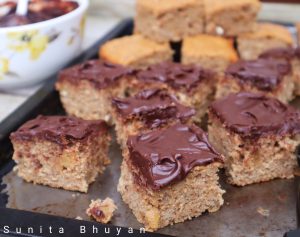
[(177, 162), (257, 135), (270, 76), (147, 110), (61, 152)]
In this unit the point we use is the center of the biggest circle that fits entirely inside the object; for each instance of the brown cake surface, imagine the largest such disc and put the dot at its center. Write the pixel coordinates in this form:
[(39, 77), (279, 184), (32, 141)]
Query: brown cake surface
[(162, 157), (153, 106)]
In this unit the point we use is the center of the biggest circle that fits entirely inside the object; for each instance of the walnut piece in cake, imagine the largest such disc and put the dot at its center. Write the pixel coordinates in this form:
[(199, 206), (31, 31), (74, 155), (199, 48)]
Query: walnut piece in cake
[(230, 17), (86, 89), (208, 51), (169, 20), (266, 36), (61, 152), (102, 210), (147, 110), (135, 51), (175, 162), (270, 76), (257, 135)]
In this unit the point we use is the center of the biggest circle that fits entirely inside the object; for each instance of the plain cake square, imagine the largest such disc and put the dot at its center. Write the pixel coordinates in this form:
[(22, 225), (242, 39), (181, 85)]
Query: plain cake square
[(230, 17), (61, 152), (265, 36), (208, 51), (135, 51), (258, 136), (170, 175), (270, 76), (147, 110), (86, 89), (169, 20), (193, 85)]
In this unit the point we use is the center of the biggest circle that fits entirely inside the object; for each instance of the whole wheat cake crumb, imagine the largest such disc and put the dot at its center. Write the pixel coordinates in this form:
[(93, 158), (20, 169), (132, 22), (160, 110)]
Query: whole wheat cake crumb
[(265, 36), (61, 152), (175, 162), (169, 20), (258, 136), (208, 51), (135, 51), (102, 210), (230, 17), (298, 33)]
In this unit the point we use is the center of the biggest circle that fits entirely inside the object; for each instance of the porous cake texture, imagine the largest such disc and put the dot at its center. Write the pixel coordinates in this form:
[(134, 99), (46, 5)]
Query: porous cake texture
[(135, 51), (102, 210), (61, 152), (170, 175), (257, 135), (169, 20)]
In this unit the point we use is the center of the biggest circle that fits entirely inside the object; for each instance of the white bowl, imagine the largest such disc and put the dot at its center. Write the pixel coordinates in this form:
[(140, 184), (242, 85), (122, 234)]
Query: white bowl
[(31, 53)]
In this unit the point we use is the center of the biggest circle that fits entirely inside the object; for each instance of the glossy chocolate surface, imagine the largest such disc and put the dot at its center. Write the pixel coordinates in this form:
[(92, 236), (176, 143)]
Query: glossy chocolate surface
[(264, 74), (38, 11), (62, 130), (176, 75), (278, 53), (254, 115), (163, 157), (102, 74), (155, 107)]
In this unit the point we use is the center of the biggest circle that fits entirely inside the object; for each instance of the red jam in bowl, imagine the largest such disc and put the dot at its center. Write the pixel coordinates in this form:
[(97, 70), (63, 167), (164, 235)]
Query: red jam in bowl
[(39, 10)]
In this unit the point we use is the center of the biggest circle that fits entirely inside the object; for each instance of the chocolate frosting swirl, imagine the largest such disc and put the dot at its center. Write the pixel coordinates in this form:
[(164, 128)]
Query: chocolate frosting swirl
[(255, 115), (154, 107), (176, 75), (62, 130), (101, 73), (162, 157), (264, 74)]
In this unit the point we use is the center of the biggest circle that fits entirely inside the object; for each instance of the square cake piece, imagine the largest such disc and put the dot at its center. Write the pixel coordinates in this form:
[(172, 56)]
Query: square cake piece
[(147, 110), (208, 51), (169, 20), (170, 175), (230, 17), (266, 36), (257, 135), (192, 84), (269, 76), (86, 89), (61, 152), (290, 54), (135, 51)]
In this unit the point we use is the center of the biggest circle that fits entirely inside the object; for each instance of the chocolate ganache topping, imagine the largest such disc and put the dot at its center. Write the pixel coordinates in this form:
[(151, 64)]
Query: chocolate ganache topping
[(62, 130), (278, 53), (264, 74), (176, 75), (101, 73), (162, 157), (254, 115), (154, 106)]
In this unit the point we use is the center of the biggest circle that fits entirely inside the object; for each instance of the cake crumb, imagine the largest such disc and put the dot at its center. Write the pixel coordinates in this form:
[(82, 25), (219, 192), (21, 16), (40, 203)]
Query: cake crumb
[(263, 212), (79, 218), (101, 211)]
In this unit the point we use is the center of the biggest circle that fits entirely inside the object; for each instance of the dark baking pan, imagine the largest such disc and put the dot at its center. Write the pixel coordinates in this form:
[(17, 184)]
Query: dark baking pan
[(267, 209)]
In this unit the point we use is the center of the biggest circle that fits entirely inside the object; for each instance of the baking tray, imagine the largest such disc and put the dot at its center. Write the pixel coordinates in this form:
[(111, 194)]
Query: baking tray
[(267, 209)]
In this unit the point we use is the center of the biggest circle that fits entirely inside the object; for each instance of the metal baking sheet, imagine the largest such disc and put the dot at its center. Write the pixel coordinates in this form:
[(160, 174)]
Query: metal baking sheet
[(267, 209)]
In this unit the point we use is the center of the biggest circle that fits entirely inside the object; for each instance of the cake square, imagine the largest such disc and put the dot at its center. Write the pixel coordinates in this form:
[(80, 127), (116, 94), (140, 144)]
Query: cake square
[(147, 110), (135, 51), (269, 76), (169, 20), (290, 54), (191, 84), (258, 136), (86, 89), (208, 51), (61, 152), (266, 36), (230, 17), (170, 175)]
